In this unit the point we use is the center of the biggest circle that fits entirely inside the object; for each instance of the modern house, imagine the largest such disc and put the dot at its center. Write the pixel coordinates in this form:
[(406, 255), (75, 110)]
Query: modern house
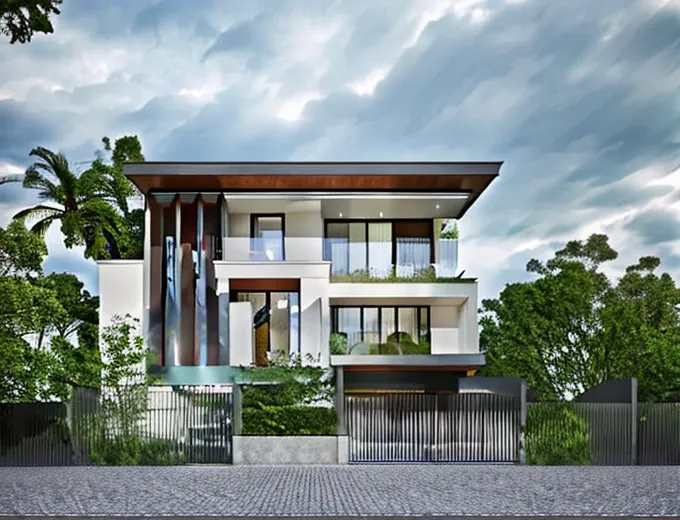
[(342, 263)]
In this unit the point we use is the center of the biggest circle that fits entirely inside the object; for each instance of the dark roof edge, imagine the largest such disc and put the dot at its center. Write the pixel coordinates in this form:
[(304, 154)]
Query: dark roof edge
[(313, 168)]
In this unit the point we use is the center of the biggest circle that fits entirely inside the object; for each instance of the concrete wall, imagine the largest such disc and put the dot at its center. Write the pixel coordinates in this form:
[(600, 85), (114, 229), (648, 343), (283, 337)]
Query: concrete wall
[(121, 292), (241, 334), (258, 450), (445, 330)]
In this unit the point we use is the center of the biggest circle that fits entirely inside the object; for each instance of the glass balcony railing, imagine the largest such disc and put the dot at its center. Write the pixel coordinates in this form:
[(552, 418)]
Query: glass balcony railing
[(402, 260), (396, 344)]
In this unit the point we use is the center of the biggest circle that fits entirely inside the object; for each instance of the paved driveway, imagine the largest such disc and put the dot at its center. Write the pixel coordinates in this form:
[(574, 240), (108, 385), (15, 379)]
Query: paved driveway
[(390, 490)]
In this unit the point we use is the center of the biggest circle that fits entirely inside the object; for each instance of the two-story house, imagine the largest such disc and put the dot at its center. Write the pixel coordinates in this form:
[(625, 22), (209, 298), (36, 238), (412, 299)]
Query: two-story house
[(344, 262)]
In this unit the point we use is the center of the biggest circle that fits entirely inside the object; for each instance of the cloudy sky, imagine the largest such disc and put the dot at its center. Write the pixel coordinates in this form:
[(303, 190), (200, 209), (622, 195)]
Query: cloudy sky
[(580, 98)]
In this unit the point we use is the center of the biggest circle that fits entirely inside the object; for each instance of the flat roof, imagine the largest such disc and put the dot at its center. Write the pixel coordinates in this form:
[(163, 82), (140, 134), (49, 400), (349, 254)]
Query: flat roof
[(471, 178)]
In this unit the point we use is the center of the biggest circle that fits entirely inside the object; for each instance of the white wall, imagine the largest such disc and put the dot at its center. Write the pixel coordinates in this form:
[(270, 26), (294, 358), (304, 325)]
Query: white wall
[(121, 292), (444, 329), (241, 339)]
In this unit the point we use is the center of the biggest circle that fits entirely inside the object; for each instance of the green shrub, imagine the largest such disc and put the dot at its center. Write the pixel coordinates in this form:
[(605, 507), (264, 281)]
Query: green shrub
[(399, 343), (556, 436), (134, 451), (338, 344), (289, 420)]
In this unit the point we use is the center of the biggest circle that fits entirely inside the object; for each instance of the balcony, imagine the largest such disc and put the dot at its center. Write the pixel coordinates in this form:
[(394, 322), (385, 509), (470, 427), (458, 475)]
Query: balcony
[(414, 260), (404, 260)]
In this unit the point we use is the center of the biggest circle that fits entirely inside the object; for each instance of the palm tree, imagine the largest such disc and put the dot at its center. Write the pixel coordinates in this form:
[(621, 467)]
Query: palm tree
[(75, 201)]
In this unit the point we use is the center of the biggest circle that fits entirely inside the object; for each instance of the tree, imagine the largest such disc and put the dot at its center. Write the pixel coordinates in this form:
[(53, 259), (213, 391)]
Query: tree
[(572, 329), (118, 190), (25, 308), (20, 19), (74, 201)]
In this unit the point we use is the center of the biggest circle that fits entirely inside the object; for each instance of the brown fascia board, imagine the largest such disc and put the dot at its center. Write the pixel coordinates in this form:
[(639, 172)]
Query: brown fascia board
[(466, 177)]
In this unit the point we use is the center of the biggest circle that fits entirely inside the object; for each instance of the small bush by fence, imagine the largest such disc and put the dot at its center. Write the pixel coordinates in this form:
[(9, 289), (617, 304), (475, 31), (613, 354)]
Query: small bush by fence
[(577, 433)]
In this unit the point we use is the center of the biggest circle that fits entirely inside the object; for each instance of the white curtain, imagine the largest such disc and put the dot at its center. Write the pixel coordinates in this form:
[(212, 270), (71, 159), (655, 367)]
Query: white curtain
[(357, 246), (380, 249), (413, 255)]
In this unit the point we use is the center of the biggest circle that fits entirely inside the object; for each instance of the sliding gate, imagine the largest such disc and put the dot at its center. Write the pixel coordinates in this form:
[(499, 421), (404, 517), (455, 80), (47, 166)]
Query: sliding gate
[(417, 427)]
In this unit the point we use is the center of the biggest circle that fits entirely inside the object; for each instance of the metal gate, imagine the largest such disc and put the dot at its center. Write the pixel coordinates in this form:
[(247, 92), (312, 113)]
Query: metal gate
[(417, 427)]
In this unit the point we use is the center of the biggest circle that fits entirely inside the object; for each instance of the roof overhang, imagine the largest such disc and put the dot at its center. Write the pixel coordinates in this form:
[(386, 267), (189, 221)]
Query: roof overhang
[(437, 177)]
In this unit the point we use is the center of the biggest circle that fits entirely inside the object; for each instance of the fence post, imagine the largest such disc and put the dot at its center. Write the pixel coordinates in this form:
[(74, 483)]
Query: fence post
[(634, 421), (340, 400), (238, 409), (522, 420)]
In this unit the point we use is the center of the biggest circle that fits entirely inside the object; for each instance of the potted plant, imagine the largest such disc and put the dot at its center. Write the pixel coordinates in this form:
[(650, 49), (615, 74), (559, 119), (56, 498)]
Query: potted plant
[(447, 264)]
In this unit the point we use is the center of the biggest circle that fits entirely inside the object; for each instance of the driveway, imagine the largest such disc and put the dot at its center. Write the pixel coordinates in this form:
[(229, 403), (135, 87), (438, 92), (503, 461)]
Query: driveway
[(340, 491)]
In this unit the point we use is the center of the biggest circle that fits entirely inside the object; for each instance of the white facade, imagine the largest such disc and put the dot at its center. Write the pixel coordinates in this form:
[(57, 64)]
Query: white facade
[(453, 329)]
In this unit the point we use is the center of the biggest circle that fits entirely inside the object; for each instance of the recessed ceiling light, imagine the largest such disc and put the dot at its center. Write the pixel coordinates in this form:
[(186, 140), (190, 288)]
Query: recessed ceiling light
[(340, 215), (437, 206), (381, 213)]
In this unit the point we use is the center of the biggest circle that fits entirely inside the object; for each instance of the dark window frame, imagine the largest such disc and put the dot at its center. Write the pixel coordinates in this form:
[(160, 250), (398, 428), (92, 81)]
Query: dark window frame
[(233, 298), (379, 221), (418, 308), (282, 216)]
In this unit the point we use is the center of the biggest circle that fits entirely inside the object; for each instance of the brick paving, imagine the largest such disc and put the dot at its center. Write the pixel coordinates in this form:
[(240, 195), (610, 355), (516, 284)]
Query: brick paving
[(380, 490)]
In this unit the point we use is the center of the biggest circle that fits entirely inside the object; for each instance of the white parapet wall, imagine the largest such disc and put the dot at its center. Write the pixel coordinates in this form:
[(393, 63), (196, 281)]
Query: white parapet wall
[(307, 449), (121, 292)]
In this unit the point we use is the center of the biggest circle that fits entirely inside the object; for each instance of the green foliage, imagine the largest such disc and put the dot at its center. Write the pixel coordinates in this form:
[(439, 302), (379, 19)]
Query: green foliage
[(73, 200), (279, 399), (134, 451), (571, 329), (449, 231), (337, 344), (427, 275), (399, 343), (287, 381), (556, 436), (289, 420), (21, 252), (21, 19)]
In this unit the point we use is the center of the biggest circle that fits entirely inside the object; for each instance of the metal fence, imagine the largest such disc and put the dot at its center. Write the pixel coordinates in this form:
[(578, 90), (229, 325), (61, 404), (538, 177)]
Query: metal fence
[(603, 433), (145, 425), (417, 427)]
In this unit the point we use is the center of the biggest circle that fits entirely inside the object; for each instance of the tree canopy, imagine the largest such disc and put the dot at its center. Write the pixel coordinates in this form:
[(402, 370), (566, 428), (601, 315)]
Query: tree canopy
[(572, 328), (21, 19)]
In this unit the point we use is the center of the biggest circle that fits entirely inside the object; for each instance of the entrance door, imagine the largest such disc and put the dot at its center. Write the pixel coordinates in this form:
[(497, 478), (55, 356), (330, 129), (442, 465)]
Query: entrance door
[(276, 323)]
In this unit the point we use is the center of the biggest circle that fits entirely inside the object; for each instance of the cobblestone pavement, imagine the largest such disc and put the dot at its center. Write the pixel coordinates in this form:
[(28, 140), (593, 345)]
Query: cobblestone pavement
[(393, 490)]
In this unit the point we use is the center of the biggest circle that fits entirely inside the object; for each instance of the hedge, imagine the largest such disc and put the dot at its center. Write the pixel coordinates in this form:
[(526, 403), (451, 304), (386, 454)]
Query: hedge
[(556, 436), (289, 420)]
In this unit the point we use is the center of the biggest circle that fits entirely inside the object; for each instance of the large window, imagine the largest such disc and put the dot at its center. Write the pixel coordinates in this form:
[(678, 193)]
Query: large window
[(383, 330), (378, 247), (276, 322), (267, 237)]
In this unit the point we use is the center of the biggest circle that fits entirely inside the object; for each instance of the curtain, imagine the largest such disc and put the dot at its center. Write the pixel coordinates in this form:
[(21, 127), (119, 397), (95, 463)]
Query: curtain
[(413, 255), (380, 249)]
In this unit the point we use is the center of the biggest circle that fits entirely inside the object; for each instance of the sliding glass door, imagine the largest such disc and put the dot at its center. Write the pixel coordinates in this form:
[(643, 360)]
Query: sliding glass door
[(379, 247), (276, 323), (383, 330)]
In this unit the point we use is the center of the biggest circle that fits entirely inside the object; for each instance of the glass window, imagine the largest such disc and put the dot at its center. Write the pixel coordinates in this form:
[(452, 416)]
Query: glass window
[(387, 323), (349, 324), (424, 324), (371, 326), (408, 324), (337, 247), (267, 237), (380, 249), (294, 301), (279, 329)]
